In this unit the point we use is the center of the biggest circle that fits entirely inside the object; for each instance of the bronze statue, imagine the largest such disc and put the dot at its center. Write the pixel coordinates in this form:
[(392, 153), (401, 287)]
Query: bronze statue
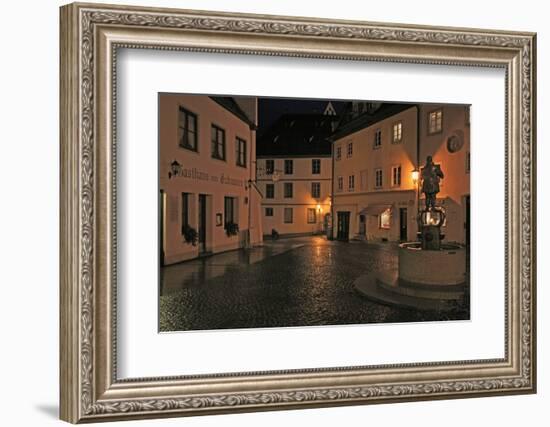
[(431, 176)]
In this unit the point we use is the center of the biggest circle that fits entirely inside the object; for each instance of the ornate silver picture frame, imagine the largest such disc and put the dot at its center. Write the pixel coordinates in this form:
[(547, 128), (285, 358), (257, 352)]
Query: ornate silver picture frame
[(91, 35)]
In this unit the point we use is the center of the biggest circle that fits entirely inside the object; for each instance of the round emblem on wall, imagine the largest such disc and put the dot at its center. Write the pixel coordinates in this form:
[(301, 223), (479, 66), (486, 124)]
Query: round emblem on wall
[(455, 141)]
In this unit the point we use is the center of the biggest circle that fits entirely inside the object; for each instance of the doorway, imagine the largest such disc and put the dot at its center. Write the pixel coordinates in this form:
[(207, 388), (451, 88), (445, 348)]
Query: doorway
[(202, 223), (403, 224), (161, 240), (467, 220), (343, 226), (362, 225)]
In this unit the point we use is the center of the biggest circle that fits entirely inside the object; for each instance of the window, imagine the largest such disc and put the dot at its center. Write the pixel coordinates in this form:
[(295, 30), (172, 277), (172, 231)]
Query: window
[(185, 208), (338, 153), (385, 219), (288, 216), (311, 216), (229, 210), (289, 167), (269, 167), (315, 166), (468, 162), (288, 190), (350, 149), (340, 183), (268, 211), (397, 132), (316, 190), (240, 145), (351, 183), (378, 138), (187, 129), (435, 121), (218, 143), (378, 178), (363, 178), (396, 176), (270, 191)]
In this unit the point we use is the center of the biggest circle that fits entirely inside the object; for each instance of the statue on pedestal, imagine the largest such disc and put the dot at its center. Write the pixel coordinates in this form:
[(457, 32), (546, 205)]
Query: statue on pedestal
[(431, 218), (431, 176)]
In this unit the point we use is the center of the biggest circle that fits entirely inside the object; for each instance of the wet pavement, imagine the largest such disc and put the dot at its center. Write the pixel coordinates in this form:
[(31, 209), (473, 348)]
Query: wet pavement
[(290, 282)]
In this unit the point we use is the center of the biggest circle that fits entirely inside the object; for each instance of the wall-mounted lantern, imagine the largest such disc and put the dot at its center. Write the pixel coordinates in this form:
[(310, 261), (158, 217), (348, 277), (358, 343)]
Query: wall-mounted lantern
[(175, 169), (415, 175)]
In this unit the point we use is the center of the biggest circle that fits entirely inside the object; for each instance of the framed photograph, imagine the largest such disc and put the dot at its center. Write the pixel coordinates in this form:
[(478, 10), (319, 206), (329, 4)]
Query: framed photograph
[(266, 212)]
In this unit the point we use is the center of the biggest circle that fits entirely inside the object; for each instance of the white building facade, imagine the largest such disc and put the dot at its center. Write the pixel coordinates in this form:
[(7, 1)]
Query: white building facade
[(294, 170), (207, 165), (296, 195), (375, 154)]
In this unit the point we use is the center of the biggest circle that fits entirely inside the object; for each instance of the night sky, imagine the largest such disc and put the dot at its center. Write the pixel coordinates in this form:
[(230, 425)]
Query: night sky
[(270, 109)]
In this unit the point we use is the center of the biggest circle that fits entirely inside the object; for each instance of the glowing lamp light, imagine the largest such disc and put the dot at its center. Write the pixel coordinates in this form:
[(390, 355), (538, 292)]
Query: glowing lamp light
[(415, 175)]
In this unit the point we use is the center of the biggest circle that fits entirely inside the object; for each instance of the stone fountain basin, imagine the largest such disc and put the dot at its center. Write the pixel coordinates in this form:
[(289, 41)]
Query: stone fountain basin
[(446, 266)]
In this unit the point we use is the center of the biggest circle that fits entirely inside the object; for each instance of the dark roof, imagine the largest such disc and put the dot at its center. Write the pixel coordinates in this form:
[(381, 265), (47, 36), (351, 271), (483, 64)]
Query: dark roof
[(270, 109), (297, 135), (352, 121), (231, 105)]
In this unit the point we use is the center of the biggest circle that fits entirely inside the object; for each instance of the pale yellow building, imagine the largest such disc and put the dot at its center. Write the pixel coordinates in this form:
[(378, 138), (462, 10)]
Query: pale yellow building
[(208, 203), (294, 171), (376, 148)]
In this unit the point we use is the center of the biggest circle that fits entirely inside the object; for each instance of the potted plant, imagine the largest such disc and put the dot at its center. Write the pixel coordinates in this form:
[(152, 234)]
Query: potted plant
[(231, 229), (190, 235)]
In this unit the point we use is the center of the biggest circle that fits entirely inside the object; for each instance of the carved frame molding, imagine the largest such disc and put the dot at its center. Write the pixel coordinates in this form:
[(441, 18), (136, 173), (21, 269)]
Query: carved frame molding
[(90, 37)]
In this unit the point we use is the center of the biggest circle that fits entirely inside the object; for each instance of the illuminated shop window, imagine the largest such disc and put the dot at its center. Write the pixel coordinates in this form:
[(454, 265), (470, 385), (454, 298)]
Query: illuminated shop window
[(385, 219)]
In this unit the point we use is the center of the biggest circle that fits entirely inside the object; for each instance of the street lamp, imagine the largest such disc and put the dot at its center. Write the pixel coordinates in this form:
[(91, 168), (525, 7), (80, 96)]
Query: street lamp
[(415, 175), (416, 181)]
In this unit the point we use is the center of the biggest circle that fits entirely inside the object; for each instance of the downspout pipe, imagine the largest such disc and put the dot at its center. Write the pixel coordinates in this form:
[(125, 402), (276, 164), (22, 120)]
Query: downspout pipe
[(332, 218)]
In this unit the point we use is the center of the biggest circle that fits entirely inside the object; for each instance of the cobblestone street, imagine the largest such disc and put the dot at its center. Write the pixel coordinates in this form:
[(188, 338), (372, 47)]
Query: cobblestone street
[(289, 282)]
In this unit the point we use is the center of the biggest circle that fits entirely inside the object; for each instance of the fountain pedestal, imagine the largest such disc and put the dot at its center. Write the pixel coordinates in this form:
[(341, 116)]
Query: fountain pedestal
[(446, 266), (431, 275), (430, 221)]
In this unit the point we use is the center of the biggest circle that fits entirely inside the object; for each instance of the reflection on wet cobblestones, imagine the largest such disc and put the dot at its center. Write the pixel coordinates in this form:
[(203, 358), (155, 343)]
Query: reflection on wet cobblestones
[(292, 282)]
